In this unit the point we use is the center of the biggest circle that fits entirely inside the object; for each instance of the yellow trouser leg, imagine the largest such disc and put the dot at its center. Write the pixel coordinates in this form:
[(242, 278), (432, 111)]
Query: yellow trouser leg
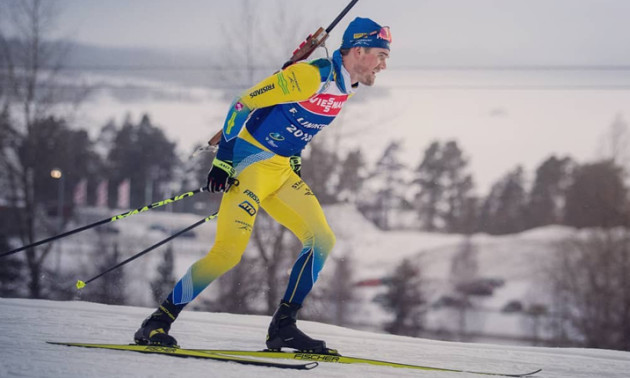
[(235, 222), (295, 206)]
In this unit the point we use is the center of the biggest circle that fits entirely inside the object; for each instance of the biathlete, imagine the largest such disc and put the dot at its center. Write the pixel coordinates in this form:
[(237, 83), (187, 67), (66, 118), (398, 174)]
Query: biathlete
[(258, 165)]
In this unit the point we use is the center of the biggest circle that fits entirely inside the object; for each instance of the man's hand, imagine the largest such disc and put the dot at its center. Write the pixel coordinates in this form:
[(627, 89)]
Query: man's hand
[(296, 164), (219, 176)]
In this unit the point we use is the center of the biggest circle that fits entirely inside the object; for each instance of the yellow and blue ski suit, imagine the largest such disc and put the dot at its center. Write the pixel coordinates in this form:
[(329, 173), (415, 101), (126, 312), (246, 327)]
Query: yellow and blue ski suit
[(268, 124)]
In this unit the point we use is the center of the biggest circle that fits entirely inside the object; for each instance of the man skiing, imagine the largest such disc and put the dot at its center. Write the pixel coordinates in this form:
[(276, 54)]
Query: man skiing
[(258, 165)]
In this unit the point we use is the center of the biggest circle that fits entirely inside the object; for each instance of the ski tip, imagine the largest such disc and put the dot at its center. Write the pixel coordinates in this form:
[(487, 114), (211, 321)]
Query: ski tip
[(80, 284)]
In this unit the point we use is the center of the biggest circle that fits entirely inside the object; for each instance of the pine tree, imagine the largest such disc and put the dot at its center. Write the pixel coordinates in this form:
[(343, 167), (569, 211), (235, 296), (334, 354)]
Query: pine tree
[(429, 178), (320, 171), (405, 299), (546, 202), (165, 279), (351, 176), (110, 288), (143, 154), (390, 186), (444, 198), (504, 210), (10, 271), (457, 187), (597, 197)]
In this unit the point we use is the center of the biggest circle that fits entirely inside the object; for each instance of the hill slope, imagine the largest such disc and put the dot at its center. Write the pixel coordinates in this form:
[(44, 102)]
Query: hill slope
[(27, 324)]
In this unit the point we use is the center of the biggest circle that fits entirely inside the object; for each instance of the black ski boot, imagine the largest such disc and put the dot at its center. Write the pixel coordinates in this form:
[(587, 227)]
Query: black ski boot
[(283, 333), (154, 329)]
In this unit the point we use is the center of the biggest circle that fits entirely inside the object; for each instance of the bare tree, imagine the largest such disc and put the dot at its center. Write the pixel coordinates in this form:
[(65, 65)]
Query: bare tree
[(259, 41), (30, 75), (275, 248), (464, 271), (332, 301), (165, 280), (238, 289), (591, 289), (615, 142)]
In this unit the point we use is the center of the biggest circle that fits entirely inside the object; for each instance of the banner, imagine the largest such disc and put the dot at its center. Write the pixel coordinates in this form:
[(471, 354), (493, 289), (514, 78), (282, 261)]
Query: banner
[(80, 193), (124, 194), (101, 194)]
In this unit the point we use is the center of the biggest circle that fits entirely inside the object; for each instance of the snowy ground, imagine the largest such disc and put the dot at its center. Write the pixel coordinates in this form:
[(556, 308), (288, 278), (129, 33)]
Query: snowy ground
[(25, 325)]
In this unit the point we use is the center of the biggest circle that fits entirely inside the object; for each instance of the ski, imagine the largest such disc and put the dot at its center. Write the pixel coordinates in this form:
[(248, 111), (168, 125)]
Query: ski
[(179, 352), (347, 360)]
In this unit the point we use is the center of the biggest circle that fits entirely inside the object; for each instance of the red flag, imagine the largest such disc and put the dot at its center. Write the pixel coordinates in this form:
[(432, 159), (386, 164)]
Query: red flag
[(101, 194), (124, 194), (80, 193)]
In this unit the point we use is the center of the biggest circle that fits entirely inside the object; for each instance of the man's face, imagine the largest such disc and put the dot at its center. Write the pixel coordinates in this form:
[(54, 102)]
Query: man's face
[(369, 62)]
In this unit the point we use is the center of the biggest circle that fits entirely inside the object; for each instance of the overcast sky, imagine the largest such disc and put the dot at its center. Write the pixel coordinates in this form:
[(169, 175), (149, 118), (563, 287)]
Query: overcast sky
[(540, 112), (425, 32)]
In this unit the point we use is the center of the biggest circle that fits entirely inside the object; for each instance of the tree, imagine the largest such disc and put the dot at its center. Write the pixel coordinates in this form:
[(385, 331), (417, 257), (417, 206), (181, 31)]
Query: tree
[(591, 288), (464, 271), (165, 280), (30, 71), (405, 299), (142, 154), (332, 300), (443, 200), (320, 171), (597, 197), (259, 41), (275, 248), (504, 210), (238, 289), (389, 187), (351, 177), (27, 161), (110, 288), (615, 142), (10, 271), (428, 178), (547, 197), (457, 187)]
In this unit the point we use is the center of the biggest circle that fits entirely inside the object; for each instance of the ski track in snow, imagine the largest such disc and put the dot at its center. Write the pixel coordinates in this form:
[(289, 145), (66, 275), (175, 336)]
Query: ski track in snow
[(27, 324)]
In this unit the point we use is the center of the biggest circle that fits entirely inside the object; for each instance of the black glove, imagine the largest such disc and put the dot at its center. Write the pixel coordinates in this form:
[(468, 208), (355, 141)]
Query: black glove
[(296, 164), (220, 176)]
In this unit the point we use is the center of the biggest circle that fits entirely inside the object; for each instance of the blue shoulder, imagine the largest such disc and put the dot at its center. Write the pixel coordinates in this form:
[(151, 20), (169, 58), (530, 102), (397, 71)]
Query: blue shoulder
[(325, 67)]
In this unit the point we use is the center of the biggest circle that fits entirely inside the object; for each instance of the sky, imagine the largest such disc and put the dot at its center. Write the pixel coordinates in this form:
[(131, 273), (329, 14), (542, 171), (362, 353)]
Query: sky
[(548, 76), (428, 31)]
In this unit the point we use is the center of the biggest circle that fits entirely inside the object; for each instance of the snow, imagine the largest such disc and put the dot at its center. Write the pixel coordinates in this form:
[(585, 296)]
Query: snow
[(27, 324)]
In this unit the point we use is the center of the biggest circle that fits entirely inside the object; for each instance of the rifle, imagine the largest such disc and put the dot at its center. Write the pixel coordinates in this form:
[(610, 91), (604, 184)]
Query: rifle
[(304, 50), (316, 39)]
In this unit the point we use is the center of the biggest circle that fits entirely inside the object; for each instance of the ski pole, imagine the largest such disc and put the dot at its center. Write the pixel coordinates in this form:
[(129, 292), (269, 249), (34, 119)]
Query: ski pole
[(81, 284), (108, 220)]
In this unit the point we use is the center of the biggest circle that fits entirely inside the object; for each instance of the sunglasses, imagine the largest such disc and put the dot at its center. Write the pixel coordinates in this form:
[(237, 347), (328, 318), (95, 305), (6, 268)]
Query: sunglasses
[(385, 34), (382, 33)]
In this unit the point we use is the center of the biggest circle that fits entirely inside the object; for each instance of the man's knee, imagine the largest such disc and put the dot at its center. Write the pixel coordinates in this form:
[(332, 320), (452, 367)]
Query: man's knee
[(326, 239), (225, 257)]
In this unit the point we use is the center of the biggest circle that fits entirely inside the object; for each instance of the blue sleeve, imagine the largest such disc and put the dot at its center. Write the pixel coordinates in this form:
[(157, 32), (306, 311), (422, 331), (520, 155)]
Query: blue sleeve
[(236, 118)]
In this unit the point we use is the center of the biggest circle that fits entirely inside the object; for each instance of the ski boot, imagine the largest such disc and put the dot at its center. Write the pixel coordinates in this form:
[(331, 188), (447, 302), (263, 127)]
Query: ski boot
[(154, 330), (283, 332)]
